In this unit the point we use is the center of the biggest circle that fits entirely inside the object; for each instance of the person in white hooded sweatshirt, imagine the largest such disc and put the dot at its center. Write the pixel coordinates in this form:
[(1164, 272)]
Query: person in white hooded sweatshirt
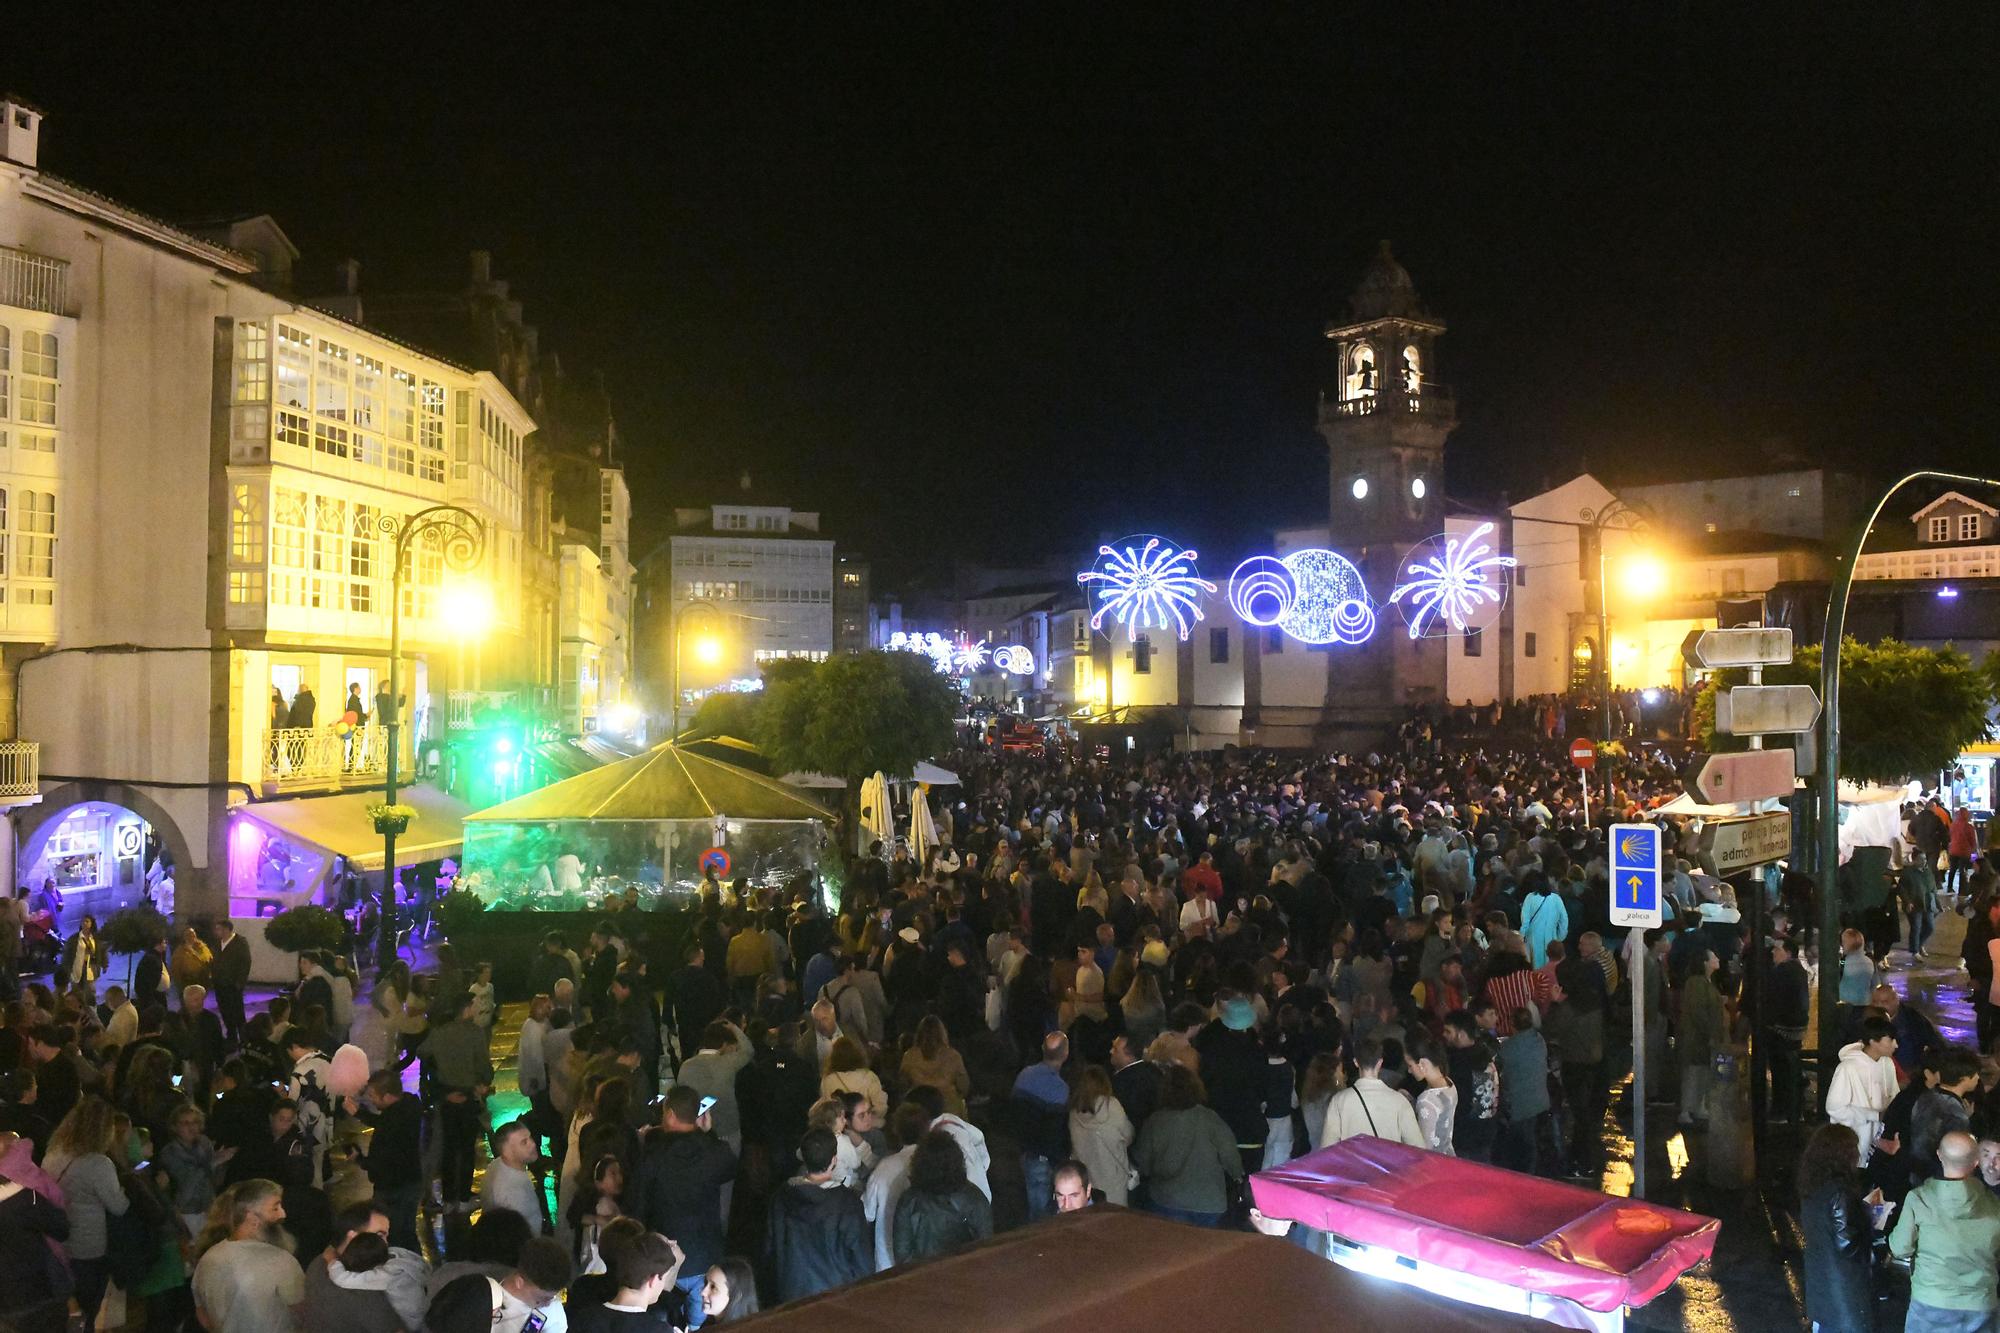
[(1864, 1085)]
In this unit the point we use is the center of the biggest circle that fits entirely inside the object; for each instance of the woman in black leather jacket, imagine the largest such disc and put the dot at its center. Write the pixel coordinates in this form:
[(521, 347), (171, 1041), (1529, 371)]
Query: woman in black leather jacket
[(1839, 1235)]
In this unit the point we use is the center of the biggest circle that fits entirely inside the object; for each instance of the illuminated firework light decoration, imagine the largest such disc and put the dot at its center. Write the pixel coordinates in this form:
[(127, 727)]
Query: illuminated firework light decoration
[(1015, 658), (1314, 595), (964, 657), (1449, 590), (1154, 585)]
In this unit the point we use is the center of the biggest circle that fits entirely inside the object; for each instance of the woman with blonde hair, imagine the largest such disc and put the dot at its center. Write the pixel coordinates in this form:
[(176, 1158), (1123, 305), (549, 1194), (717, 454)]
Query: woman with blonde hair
[(1093, 894), (931, 1061), (1144, 1008), (847, 1071), (80, 1159), (1100, 1133)]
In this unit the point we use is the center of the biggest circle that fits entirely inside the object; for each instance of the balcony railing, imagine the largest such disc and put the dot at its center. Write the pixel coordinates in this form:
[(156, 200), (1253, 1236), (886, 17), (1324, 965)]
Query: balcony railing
[(1431, 400), (463, 707), (34, 282), (321, 754), (20, 768)]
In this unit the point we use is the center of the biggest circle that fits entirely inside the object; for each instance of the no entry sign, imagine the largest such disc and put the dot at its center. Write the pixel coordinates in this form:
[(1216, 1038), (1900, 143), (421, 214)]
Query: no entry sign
[(1583, 753)]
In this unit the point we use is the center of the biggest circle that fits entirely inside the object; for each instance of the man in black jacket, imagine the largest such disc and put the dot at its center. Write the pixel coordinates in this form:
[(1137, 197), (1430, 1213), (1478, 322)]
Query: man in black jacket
[(394, 1161), (678, 1191), (697, 997), (818, 1232), (1232, 1068), (231, 975), (1051, 908), (1135, 1081), (634, 1008)]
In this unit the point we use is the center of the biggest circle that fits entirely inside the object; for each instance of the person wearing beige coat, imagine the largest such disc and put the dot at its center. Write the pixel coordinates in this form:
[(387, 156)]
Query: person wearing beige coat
[(1101, 1134)]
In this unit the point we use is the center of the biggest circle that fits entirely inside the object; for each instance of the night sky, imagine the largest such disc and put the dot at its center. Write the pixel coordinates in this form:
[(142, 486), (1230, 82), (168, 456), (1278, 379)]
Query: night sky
[(988, 282)]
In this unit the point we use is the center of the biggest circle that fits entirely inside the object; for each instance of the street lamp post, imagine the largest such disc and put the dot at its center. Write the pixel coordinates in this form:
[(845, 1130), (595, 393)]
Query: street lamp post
[(460, 537), (1828, 812), (1620, 514), (674, 658)]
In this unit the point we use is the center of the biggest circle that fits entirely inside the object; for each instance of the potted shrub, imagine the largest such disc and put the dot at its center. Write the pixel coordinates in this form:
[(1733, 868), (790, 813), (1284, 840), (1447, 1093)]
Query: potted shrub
[(392, 818), (298, 929), (459, 910), (133, 930)]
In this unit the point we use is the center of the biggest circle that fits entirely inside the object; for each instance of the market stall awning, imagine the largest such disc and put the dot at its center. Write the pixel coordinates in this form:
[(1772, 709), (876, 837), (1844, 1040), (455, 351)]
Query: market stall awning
[(666, 782), (1464, 1217), (1112, 1268), (340, 824)]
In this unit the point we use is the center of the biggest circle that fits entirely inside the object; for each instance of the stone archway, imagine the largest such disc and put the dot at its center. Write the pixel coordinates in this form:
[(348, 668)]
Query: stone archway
[(32, 822)]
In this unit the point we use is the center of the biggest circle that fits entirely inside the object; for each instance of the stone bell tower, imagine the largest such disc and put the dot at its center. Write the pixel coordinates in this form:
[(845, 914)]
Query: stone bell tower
[(1384, 415)]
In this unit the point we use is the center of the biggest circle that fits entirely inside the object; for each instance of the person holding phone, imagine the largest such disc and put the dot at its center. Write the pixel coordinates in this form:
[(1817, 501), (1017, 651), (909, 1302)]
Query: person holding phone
[(678, 1187)]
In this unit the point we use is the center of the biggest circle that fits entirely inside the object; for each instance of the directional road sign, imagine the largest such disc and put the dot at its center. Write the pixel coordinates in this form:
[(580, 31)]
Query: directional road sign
[(1764, 710), (1750, 645), (1746, 775), (1738, 844), (1635, 875)]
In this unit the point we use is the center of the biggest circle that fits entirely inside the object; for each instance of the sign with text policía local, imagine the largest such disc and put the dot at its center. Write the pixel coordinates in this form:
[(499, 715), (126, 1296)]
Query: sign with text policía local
[(1635, 875)]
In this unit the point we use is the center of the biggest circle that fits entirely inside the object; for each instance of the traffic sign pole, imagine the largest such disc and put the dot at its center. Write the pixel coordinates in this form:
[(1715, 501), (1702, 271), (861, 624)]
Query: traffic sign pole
[(1635, 977)]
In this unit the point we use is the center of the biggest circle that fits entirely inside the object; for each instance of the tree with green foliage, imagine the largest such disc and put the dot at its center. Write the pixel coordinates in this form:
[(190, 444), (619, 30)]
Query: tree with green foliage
[(307, 926), (726, 714), (854, 716), (1905, 712)]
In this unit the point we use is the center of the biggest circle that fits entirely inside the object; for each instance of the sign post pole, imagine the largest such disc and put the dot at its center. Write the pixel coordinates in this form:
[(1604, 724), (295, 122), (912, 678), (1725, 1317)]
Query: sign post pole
[(1636, 853), (1635, 977)]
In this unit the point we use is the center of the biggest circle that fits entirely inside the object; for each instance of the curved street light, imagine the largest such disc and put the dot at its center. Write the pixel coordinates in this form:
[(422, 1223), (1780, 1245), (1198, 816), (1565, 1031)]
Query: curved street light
[(1828, 805), (460, 539)]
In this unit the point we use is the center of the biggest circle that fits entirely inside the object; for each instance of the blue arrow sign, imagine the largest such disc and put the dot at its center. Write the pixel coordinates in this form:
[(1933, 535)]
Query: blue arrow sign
[(1635, 875)]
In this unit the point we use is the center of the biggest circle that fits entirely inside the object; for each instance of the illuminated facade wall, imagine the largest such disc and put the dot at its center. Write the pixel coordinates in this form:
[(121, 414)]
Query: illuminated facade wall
[(769, 578), (198, 519)]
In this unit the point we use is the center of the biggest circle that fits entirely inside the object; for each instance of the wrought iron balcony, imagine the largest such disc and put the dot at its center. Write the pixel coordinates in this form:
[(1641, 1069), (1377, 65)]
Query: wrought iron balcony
[(30, 281), (20, 768), (322, 754)]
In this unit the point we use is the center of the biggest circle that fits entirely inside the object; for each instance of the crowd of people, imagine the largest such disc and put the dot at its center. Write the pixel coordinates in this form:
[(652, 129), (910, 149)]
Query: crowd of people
[(1130, 983)]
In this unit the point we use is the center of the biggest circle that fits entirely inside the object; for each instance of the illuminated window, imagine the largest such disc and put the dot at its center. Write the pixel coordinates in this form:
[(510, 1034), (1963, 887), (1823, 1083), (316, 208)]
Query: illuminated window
[(6, 380), (251, 372), (246, 525), (1968, 527), (294, 366), (35, 540), (288, 547), (330, 382), (293, 428), (361, 560), (246, 586), (402, 400), (1940, 528), (329, 553), (35, 386), (3, 528), (330, 439), (367, 395)]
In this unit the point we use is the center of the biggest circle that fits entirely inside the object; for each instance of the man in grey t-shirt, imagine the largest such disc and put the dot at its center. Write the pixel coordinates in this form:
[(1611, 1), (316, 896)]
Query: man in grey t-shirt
[(249, 1283)]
